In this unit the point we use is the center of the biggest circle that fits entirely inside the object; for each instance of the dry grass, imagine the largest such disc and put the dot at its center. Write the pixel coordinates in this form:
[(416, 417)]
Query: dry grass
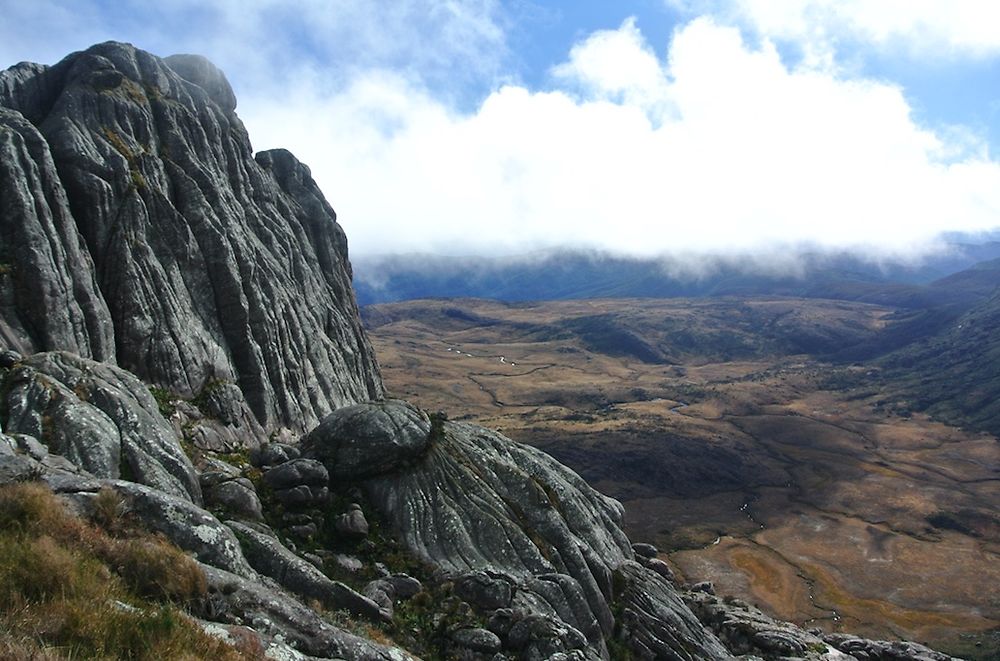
[(68, 589)]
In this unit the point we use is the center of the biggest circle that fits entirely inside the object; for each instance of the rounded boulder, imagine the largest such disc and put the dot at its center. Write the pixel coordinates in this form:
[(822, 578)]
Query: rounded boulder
[(369, 439)]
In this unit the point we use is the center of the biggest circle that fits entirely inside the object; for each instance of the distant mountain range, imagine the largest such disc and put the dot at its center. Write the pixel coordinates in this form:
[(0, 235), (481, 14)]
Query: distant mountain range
[(941, 347), (561, 275)]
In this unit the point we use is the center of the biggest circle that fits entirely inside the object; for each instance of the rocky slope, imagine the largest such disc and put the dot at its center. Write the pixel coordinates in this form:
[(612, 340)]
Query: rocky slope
[(141, 241)]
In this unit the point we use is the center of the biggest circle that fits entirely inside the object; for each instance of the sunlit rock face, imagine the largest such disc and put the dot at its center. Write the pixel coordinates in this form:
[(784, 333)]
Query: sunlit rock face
[(137, 226)]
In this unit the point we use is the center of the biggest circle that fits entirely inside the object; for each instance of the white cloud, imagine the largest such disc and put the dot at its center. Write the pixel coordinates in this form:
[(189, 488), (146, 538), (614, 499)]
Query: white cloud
[(922, 28), (719, 146)]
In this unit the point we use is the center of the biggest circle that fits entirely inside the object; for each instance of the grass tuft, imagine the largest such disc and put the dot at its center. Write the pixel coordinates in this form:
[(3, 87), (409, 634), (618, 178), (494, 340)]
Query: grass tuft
[(73, 589)]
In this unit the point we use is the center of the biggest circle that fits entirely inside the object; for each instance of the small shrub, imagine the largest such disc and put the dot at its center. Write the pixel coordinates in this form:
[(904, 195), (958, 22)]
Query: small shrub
[(164, 400), (109, 510)]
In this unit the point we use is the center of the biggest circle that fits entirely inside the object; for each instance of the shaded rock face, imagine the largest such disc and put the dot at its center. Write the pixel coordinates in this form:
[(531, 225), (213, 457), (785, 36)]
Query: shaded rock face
[(99, 417), (137, 226)]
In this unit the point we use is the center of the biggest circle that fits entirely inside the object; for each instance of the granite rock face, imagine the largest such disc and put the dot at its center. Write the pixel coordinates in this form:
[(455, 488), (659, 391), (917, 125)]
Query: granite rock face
[(101, 418), (138, 226)]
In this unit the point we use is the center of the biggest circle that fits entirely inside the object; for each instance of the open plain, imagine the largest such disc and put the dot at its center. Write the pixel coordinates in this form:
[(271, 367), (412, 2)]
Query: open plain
[(802, 485)]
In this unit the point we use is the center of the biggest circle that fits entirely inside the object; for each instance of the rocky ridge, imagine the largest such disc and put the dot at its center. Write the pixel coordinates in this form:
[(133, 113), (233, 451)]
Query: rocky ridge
[(143, 243)]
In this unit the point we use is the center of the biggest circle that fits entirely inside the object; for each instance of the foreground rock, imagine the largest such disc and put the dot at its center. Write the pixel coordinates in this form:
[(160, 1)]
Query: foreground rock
[(530, 544), (269, 611), (99, 417), (270, 557)]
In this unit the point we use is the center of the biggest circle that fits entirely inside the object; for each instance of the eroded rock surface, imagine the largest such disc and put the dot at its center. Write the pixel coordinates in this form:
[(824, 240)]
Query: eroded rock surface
[(148, 232), (99, 417)]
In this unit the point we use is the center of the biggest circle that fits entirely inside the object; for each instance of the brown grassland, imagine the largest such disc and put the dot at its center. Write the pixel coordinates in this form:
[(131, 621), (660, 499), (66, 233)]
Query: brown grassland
[(805, 487)]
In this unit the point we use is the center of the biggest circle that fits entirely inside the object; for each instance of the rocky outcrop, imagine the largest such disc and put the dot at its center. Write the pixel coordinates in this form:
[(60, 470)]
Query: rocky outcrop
[(276, 614), (99, 417), (270, 557), (369, 439), (655, 623), (149, 233), (536, 538)]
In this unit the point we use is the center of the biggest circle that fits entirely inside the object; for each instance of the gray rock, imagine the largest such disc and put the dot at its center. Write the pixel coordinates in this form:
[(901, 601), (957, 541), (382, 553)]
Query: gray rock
[(656, 624), (348, 563), (49, 295), (101, 418), (645, 550), (222, 421), (351, 524), (272, 612), (368, 439), (538, 637), (201, 72), (268, 556), (272, 454), (484, 591), (211, 478), (9, 358), (883, 650), (302, 496), (236, 497), (658, 566), (131, 189), (708, 587), (297, 472), (187, 526), (745, 630), (405, 585), (488, 503), (16, 466), (477, 640), (383, 593)]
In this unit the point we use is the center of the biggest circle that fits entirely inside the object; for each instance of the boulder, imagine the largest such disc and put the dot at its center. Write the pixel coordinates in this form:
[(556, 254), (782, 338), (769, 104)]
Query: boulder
[(366, 440), (272, 454), (477, 640), (352, 523), (645, 550), (237, 497), (297, 472), (484, 591)]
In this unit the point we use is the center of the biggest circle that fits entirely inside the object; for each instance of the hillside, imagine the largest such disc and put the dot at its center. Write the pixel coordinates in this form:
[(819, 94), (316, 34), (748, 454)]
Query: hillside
[(808, 487)]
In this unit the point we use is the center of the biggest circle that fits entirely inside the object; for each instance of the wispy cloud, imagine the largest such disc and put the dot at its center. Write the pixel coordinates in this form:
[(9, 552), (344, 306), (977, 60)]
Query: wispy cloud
[(937, 29)]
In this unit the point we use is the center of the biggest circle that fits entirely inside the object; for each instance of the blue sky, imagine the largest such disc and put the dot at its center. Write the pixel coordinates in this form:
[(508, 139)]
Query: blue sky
[(642, 126)]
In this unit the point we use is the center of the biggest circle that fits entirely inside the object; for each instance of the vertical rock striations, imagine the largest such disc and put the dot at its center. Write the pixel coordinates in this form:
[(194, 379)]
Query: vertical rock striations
[(137, 225)]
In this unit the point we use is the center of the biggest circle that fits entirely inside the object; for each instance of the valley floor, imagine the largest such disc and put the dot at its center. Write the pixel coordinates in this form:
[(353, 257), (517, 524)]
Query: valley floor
[(806, 488)]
